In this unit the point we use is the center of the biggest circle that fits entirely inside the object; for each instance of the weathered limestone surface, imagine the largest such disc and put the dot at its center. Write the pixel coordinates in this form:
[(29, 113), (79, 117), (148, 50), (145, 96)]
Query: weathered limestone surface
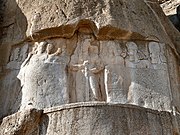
[(91, 119), (21, 123), (54, 53), (64, 15), (107, 119), (54, 73)]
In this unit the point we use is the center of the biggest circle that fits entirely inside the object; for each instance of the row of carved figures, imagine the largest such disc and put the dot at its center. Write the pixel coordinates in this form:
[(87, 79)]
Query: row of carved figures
[(50, 77)]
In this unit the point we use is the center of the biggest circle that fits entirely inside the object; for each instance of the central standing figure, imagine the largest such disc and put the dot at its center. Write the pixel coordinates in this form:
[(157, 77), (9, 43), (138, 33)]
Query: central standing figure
[(86, 65)]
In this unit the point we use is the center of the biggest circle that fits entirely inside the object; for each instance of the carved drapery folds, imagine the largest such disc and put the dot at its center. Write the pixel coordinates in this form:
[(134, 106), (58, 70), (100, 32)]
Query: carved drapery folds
[(80, 69)]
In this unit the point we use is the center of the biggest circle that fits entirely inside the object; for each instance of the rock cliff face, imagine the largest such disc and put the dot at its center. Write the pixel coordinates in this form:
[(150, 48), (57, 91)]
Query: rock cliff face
[(94, 67)]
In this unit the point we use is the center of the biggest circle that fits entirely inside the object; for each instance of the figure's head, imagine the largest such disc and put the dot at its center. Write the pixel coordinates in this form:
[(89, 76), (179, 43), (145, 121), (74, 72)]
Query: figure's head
[(41, 47), (154, 47), (50, 48), (131, 46)]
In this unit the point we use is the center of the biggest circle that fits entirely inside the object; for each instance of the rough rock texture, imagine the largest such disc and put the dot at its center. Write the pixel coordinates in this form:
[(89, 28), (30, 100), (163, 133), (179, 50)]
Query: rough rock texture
[(113, 51), (21, 123), (91, 119), (103, 119), (93, 24), (123, 25)]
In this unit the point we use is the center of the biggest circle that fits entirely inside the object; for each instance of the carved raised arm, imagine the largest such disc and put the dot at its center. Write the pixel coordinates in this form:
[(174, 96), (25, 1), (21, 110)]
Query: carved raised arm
[(58, 52)]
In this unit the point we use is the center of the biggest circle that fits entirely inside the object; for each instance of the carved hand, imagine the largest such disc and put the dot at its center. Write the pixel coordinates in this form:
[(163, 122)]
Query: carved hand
[(59, 51)]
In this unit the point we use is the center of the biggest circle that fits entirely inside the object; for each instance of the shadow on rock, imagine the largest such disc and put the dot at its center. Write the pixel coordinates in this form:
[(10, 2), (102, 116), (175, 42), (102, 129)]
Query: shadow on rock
[(13, 26), (175, 19)]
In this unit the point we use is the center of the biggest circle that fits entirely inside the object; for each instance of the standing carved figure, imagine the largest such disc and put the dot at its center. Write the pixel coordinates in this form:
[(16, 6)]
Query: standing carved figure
[(38, 49), (43, 78), (94, 66), (25, 75), (154, 50), (86, 63), (132, 51)]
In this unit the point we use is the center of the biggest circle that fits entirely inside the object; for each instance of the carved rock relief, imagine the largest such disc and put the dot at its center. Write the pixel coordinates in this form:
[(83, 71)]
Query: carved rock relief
[(61, 71), (17, 56), (86, 70), (43, 76)]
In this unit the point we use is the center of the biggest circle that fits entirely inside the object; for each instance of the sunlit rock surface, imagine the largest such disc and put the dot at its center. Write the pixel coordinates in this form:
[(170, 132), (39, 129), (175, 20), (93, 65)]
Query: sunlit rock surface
[(76, 60)]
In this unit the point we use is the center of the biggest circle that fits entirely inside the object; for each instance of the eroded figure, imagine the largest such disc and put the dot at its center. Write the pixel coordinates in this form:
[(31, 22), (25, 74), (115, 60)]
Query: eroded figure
[(113, 55), (86, 64), (43, 78), (24, 75), (38, 49), (133, 54), (114, 86), (132, 51), (154, 50), (93, 67)]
